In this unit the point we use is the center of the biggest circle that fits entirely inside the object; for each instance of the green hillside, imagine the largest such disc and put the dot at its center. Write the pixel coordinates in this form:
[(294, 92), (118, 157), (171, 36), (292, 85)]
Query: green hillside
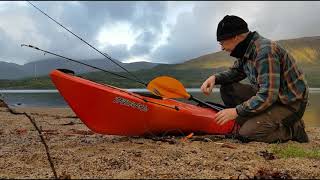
[(193, 72)]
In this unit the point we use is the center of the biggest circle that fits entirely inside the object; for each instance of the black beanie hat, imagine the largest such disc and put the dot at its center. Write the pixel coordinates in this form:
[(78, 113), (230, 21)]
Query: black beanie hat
[(230, 26)]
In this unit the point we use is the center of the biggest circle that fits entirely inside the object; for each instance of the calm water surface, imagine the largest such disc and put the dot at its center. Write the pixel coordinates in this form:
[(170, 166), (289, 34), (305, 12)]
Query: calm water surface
[(51, 98)]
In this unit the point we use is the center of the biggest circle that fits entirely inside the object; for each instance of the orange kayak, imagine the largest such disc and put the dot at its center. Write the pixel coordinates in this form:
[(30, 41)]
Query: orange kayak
[(110, 110)]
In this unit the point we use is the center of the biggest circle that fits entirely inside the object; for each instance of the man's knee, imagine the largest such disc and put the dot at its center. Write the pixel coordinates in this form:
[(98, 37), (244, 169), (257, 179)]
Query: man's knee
[(261, 131), (247, 131)]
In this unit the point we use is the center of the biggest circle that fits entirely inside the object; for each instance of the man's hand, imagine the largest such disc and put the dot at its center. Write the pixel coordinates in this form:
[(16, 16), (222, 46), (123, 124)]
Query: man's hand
[(207, 86), (226, 115)]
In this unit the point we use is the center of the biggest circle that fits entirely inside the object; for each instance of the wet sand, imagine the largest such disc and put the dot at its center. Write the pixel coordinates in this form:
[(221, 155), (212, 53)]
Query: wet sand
[(73, 151)]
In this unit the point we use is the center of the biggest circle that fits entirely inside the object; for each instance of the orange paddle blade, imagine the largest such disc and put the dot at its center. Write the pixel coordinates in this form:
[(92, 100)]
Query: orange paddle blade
[(167, 87)]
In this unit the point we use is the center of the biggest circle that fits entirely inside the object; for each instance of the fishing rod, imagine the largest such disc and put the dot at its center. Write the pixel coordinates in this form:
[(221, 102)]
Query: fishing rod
[(152, 86), (104, 54), (36, 48), (154, 90)]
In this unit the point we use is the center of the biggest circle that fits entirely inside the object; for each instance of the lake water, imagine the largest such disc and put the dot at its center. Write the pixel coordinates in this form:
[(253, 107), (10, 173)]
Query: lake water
[(51, 98)]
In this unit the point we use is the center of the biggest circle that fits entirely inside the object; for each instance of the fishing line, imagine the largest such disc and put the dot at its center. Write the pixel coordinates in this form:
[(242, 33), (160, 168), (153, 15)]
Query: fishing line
[(36, 48), (104, 54)]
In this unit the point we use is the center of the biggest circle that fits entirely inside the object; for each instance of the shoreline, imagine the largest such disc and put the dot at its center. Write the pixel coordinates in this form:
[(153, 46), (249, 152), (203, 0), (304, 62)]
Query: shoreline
[(77, 152), (313, 90)]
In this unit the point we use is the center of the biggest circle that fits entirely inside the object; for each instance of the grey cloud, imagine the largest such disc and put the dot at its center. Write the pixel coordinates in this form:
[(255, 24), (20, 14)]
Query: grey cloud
[(118, 52), (4, 48), (38, 30), (121, 10), (150, 15), (283, 20), (146, 18), (84, 19), (149, 18), (144, 43), (194, 34)]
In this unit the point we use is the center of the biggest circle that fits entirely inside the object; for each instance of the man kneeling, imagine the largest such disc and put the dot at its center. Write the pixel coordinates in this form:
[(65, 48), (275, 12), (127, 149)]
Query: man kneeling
[(271, 107)]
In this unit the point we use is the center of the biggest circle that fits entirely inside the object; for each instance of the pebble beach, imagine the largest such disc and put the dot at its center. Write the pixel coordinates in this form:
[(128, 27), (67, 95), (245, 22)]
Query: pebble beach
[(54, 143)]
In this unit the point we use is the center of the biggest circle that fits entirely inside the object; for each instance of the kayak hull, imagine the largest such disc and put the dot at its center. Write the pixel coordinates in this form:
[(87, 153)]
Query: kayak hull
[(110, 110)]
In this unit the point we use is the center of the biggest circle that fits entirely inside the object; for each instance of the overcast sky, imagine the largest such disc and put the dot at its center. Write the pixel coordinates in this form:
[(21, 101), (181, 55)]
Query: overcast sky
[(164, 31)]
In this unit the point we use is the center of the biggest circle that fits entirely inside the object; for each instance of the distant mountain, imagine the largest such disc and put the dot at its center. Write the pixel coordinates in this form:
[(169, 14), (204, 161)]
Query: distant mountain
[(43, 67), (10, 70), (191, 73), (305, 50)]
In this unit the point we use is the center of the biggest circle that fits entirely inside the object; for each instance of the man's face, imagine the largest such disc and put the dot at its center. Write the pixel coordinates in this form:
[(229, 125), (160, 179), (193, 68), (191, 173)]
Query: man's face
[(228, 44)]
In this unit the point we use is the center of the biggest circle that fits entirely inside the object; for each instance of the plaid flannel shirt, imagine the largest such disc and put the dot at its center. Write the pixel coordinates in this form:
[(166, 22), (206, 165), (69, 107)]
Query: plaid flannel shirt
[(272, 70)]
